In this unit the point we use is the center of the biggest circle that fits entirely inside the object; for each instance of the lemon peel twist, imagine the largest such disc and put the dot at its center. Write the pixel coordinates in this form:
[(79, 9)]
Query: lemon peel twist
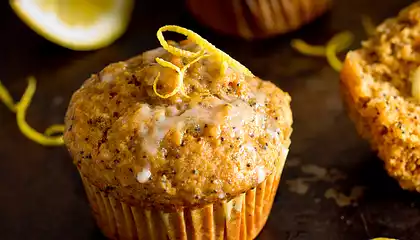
[(333, 60), (169, 47), (24, 127), (180, 79), (54, 129), (207, 49), (342, 40), (338, 41), (200, 41), (307, 49), (336, 44), (6, 98)]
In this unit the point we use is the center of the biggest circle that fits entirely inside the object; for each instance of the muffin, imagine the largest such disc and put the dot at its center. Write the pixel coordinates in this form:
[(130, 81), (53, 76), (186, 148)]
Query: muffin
[(180, 142), (256, 19), (380, 86)]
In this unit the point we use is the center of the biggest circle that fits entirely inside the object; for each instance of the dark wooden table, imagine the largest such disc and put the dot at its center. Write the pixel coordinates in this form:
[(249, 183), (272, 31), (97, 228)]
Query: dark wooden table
[(41, 196)]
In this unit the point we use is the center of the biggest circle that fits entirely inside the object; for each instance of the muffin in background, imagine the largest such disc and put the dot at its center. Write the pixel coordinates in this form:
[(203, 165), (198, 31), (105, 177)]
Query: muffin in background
[(177, 147), (252, 19)]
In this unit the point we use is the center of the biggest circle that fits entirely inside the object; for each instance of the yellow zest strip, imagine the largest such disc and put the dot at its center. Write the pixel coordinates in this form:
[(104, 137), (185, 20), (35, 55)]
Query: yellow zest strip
[(184, 70), (55, 129), (368, 25), (203, 43), (339, 40), (338, 43), (27, 130), (6, 98), (343, 41), (304, 48), (180, 80), (171, 49), (332, 58)]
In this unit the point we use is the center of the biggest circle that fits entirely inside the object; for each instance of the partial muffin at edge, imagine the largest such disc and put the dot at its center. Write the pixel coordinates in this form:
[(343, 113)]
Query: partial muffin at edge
[(376, 86)]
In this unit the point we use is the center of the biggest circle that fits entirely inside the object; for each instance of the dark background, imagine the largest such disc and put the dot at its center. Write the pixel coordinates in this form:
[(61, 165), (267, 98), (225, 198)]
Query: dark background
[(41, 196)]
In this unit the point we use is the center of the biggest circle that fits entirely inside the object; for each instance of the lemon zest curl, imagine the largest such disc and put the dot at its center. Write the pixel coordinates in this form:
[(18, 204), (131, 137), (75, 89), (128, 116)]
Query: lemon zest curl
[(200, 41), (333, 60), (307, 49), (6, 98), (342, 40), (207, 49), (180, 79), (336, 44), (55, 129), (24, 127)]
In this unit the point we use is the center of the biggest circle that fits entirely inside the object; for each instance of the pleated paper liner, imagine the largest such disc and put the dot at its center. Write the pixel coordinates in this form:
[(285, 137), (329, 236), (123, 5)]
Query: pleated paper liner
[(241, 218), (252, 19)]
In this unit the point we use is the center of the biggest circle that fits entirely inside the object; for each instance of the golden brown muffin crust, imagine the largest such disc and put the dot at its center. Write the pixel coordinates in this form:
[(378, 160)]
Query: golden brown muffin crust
[(257, 19), (221, 140), (376, 85)]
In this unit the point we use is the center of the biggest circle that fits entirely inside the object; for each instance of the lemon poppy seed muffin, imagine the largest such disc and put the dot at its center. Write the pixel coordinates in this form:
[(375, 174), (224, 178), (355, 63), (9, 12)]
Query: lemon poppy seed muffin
[(380, 84), (254, 19), (181, 142)]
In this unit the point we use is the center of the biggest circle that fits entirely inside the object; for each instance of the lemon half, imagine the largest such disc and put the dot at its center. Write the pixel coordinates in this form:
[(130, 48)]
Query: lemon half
[(76, 24)]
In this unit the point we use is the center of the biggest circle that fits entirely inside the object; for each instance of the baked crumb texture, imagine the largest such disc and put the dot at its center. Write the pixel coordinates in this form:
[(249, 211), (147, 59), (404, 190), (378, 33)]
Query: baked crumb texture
[(377, 86), (222, 134)]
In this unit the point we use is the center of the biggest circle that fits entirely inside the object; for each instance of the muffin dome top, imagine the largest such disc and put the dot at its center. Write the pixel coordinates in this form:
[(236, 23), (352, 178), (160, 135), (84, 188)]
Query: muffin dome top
[(178, 125)]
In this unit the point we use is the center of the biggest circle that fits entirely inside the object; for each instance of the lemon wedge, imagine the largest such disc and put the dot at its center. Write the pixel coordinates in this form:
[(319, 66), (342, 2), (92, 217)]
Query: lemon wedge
[(76, 24)]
